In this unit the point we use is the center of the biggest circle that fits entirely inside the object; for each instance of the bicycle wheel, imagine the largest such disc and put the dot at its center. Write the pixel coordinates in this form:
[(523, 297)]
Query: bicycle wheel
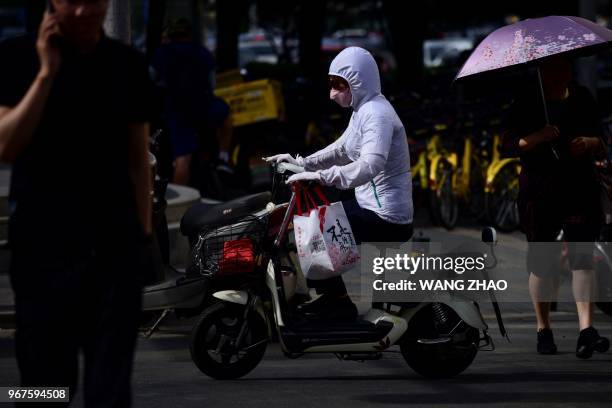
[(476, 198), (444, 204), (501, 200)]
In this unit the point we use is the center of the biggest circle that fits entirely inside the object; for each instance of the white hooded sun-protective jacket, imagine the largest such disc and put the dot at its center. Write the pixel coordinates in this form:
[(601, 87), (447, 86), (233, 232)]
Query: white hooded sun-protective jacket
[(372, 154)]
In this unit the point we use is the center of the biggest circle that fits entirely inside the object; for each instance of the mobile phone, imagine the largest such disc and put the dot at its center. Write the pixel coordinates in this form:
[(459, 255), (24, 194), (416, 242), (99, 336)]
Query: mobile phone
[(56, 40)]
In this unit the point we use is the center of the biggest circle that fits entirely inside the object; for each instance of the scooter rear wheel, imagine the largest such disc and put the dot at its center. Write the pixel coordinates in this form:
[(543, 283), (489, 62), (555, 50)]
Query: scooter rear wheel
[(213, 348), (444, 360)]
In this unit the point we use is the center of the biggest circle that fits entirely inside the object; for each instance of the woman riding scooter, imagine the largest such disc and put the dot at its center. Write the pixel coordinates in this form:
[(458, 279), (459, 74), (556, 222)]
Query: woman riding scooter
[(371, 157)]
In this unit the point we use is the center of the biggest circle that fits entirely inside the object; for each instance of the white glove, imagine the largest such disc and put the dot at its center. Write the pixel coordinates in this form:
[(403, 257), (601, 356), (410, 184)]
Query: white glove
[(306, 176), (286, 157)]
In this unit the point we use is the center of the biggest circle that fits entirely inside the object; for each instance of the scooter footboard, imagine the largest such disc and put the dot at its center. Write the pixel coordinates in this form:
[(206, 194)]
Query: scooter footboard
[(175, 294)]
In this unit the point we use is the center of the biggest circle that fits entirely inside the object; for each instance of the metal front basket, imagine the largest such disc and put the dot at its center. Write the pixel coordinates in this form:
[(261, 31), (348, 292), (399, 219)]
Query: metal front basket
[(230, 249)]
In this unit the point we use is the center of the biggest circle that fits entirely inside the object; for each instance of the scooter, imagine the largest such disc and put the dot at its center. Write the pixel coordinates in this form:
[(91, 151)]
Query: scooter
[(437, 339), (181, 291)]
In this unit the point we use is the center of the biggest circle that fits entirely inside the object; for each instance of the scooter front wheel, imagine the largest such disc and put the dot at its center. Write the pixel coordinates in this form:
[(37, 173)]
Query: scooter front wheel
[(213, 341)]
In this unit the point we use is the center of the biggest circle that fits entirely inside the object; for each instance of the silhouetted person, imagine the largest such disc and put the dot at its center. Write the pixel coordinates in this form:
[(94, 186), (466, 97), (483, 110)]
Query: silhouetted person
[(559, 190), (186, 70), (74, 123)]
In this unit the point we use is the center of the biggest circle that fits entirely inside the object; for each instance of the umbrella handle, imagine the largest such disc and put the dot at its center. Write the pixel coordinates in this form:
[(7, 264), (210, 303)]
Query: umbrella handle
[(554, 152)]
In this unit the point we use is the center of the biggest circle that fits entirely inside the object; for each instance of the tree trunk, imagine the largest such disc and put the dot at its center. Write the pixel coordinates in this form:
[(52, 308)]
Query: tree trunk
[(229, 15), (587, 67), (155, 26), (310, 25), (406, 21), (118, 22)]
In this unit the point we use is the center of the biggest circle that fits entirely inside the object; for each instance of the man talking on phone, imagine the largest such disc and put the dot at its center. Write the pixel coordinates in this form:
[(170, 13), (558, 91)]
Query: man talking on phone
[(74, 125)]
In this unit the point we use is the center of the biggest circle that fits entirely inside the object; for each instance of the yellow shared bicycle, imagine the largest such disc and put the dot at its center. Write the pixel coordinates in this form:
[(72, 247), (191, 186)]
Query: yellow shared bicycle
[(501, 190), (486, 183), (433, 173), (470, 171)]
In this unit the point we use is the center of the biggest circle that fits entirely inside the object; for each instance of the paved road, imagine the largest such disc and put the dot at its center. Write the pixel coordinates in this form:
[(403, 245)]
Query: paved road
[(512, 376)]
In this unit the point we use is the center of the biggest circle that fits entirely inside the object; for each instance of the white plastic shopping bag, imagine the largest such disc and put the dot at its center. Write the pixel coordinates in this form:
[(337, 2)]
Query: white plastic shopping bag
[(325, 243)]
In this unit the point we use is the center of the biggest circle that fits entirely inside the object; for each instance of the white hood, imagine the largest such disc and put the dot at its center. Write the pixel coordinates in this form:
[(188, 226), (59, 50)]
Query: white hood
[(372, 154), (359, 69)]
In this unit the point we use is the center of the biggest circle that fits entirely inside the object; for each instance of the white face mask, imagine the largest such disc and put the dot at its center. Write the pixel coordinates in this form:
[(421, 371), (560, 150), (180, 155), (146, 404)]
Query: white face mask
[(343, 98)]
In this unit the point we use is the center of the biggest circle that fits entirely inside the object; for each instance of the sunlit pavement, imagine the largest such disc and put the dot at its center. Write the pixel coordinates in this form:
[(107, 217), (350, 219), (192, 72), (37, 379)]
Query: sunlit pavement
[(511, 376)]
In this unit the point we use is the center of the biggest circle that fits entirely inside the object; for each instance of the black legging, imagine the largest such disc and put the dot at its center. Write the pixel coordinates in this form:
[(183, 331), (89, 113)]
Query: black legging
[(367, 226)]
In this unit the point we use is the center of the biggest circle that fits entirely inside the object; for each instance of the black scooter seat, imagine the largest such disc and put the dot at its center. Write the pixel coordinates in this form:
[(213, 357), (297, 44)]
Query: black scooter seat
[(205, 215)]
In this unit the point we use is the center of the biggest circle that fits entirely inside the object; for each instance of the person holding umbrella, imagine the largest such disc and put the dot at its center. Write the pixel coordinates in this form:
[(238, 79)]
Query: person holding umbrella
[(559, 191), (557, 136)]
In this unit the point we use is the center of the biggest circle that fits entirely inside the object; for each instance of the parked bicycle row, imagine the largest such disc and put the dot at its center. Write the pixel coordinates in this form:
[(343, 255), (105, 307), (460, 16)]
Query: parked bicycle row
[(457, 165)]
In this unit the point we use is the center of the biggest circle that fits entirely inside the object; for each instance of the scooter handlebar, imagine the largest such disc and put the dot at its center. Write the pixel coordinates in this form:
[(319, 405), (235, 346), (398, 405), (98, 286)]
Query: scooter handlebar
[(285, 167)]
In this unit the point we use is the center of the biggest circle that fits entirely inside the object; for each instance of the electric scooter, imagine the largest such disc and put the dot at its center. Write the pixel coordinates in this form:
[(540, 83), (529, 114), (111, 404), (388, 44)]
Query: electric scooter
[(255, 259), (173, 290)]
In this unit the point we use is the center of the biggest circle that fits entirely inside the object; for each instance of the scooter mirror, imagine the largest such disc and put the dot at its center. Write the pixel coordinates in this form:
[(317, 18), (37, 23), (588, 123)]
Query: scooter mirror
[(489, 235)]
